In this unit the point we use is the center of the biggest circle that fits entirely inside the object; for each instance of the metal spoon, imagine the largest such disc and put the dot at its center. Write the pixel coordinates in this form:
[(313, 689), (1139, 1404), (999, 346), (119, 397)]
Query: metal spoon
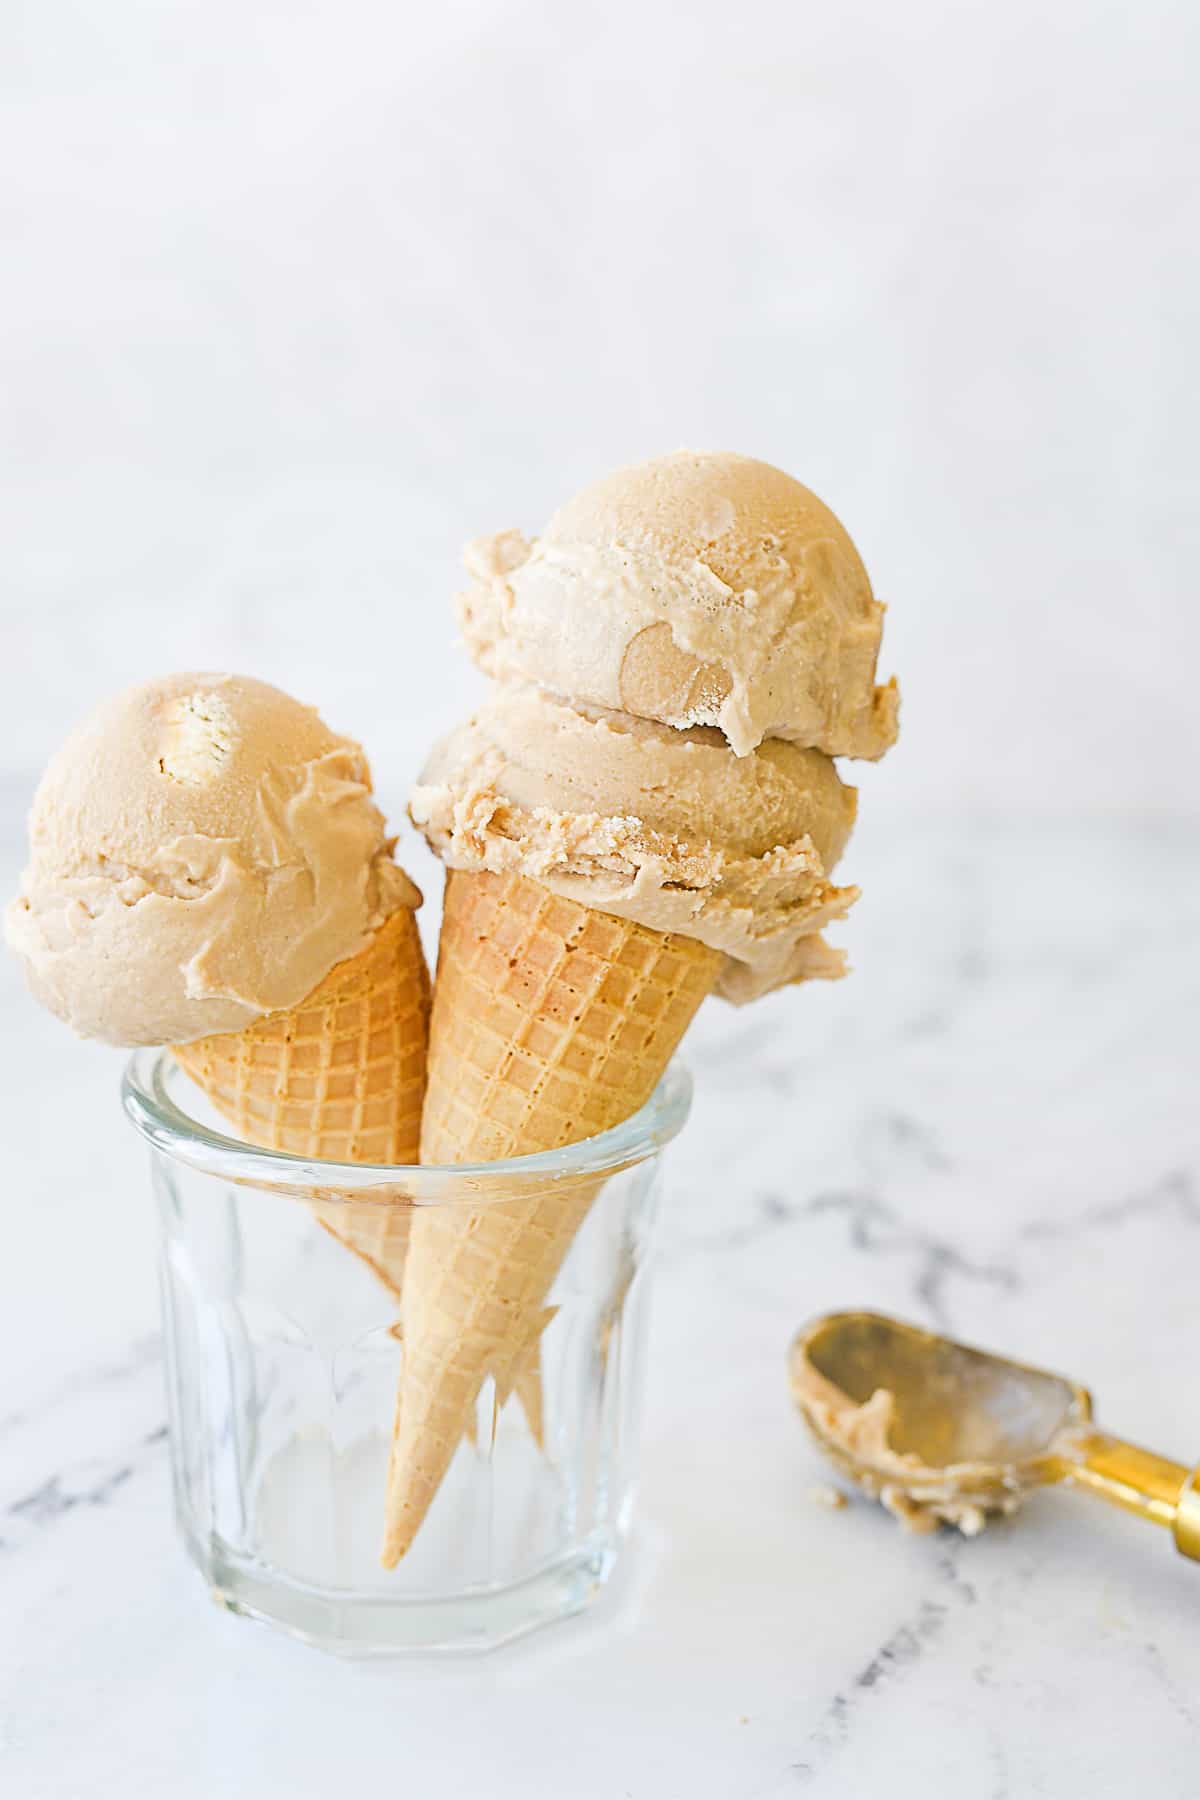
[(942, 1433)]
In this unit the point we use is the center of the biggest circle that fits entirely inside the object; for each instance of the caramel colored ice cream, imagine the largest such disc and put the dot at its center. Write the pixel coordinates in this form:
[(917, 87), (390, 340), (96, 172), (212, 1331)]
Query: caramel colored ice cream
[(857, 1437), (203, 851), (651, 823), (697, 589)]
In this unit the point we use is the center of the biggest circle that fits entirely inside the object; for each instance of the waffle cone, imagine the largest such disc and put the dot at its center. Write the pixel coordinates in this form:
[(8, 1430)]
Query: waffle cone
[(340, 1077), (551, 1022)]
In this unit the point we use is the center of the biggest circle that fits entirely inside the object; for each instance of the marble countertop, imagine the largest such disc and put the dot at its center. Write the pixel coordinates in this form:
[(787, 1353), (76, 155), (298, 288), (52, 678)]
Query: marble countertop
[(991, 1128)]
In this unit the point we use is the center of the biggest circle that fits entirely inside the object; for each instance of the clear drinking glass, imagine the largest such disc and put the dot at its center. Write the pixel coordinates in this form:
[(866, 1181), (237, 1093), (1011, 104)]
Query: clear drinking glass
[(283, 1355)]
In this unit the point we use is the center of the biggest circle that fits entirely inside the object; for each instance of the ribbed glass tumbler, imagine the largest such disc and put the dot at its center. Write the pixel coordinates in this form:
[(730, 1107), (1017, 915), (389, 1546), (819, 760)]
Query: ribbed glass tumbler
[(284, 1337)]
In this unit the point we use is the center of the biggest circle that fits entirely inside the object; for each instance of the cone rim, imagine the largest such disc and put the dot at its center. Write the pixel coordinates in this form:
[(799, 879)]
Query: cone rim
[(152, 1103)]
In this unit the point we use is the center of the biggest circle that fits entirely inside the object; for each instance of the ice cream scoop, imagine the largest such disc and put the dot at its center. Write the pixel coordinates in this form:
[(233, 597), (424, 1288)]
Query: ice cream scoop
[(650, 823), (204, 850), (697, 589), (945, 1434)]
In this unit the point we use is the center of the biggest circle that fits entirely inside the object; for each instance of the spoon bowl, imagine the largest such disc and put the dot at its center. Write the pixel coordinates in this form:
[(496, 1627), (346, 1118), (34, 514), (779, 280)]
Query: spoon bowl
[(951, 1404)]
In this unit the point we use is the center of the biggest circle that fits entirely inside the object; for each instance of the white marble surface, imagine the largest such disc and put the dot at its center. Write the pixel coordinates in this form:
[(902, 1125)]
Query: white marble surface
[(991, 1126)]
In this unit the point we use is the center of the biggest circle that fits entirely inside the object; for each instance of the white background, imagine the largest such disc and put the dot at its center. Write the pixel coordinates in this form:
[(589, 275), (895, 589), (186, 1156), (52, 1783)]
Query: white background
[(295, 299)]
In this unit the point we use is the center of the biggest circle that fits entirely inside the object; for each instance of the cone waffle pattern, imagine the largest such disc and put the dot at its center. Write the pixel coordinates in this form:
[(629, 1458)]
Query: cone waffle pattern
[(551, 1022), (340, 1077)]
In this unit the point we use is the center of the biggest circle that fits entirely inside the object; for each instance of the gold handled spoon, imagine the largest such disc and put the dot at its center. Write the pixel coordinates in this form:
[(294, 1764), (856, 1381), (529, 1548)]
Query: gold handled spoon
[(942, 1433)]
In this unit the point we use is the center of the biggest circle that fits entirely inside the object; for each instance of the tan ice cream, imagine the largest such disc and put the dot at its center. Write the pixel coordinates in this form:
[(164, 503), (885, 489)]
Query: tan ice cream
[(204, 851), (697, 589), (857, 1437), (649, 823)]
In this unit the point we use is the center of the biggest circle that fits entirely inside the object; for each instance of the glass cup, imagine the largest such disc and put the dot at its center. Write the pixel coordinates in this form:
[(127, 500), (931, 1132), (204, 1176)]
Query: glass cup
[(283, 1356)]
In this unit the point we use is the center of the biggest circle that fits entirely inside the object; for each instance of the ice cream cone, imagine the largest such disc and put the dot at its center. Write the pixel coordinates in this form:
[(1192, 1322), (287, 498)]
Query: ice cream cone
[(340, 1077), (551, 1022)]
